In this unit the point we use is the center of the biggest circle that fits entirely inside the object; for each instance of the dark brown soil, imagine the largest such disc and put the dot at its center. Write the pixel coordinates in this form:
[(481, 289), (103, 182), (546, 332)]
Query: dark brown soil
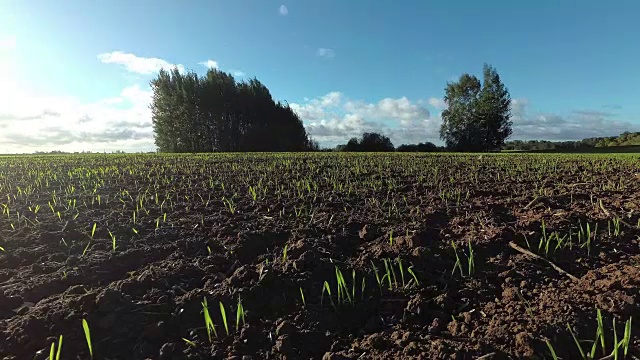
[(314, 216)]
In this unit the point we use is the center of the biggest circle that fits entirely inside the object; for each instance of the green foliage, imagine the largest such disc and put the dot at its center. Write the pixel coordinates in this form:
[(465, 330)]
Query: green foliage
[(420, 147), (477, 117), (87, 335), (223, 313), (208, 322), (216, 113), (369, 142), (626, 139)]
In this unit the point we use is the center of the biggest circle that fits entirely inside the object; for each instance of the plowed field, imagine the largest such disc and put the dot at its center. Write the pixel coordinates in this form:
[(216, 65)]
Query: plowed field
[(320, 256)]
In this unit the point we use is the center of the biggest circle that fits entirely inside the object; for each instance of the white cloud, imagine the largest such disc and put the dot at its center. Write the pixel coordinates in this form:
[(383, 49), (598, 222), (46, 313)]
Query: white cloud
[(237, 73), (575, 125), (283, 10), (8, 42), (30, 122), (332, 119), (326, 53), (209, 64), (137, 64), (437, 103), (407, 113)]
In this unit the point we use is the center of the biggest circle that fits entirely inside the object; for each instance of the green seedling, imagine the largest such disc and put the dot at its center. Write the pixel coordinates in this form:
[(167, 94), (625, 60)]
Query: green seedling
[(551, 350), (223, 313), (53, 354), (615, 341), (353, 285), (113, 241), (600, 331), (378, 279), (471, 260), (342, 291), (526, 303), (240, 314), (304, 303), (388, 274), (86, 248), (189, 342), (415, 278), (577, 342), (626, 340), (401, 272), (326, 288), (458, 264), (230, 205), (616, 226), (619, 347), (208, 323), (87, 335)]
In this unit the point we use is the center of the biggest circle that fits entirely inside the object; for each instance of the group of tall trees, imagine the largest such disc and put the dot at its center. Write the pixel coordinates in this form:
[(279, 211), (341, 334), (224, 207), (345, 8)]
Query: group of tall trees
[(216, 113)]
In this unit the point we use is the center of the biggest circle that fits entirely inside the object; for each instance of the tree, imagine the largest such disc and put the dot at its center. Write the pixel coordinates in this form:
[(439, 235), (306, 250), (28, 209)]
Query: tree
[(216, 113), (376, 142), (478, 116), (420, 147), (370, 142)]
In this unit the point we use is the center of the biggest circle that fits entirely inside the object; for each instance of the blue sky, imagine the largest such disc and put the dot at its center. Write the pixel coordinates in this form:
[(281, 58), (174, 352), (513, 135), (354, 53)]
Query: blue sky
[(76, 73)]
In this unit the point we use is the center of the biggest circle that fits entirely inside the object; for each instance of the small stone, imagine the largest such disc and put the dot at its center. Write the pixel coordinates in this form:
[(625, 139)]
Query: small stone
[(467, 317), (369, 232), (435, 327)]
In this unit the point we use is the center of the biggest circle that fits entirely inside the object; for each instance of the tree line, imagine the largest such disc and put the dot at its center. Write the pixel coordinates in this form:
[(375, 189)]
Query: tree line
[(624, 139), (375, 142), (214, 112)]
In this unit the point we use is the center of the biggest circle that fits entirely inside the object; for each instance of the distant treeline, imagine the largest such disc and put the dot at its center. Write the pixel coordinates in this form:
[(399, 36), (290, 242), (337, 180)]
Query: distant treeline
[(625, 139), (374, 142)]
